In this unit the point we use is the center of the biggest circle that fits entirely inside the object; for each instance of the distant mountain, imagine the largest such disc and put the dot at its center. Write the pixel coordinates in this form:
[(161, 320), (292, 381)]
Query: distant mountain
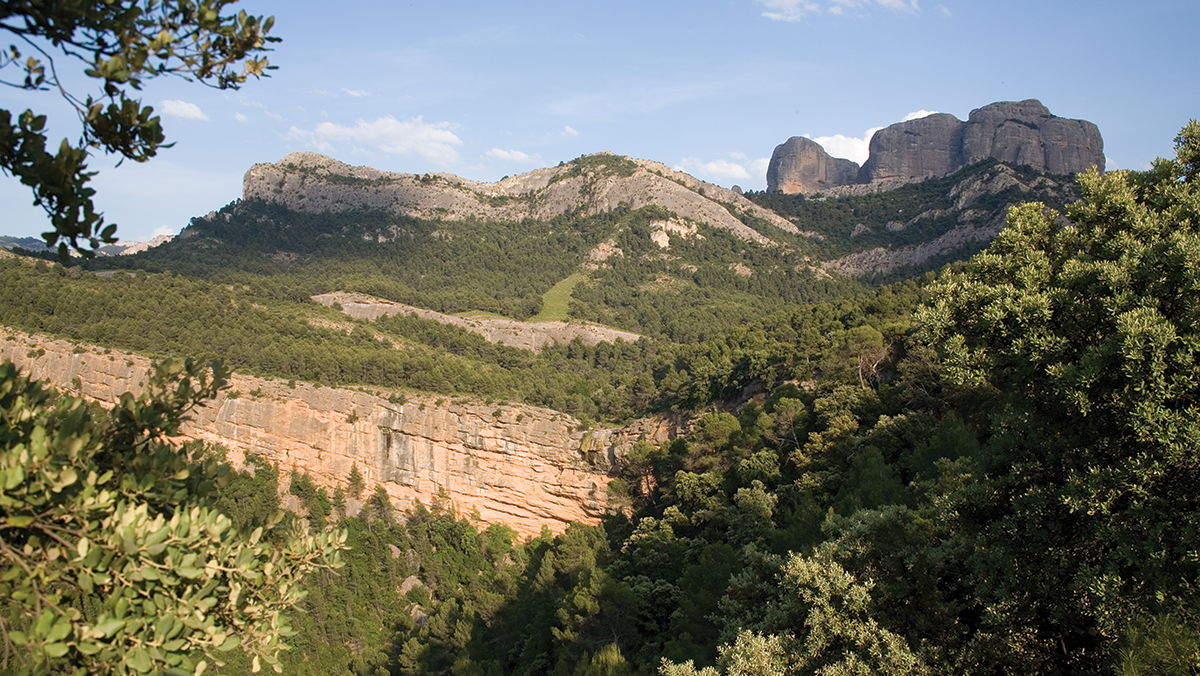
[(631, 230), (1022, 133), (37, 244)]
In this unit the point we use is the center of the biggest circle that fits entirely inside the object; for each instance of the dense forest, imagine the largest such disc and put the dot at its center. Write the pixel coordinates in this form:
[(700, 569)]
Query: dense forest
[(990, 470)]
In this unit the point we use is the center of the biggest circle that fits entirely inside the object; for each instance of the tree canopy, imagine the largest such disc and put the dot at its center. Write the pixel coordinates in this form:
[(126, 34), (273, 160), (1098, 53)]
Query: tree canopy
[(120, 45)]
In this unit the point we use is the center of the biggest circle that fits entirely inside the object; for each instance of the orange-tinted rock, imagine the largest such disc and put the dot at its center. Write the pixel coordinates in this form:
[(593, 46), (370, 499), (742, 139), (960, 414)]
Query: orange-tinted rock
[(519, 465)]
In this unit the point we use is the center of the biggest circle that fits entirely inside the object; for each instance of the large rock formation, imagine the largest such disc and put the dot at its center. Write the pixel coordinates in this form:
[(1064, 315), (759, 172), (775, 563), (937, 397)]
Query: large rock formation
[(929, 146), (591, 184), (519, 465), (802, 165), (1022, 132), (1026, 133)]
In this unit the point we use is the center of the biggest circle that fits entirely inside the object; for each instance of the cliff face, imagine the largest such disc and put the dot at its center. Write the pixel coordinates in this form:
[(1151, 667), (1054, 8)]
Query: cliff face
[(929, 146), (518, 465), (1017, 132), (314, 183), (802, 165)]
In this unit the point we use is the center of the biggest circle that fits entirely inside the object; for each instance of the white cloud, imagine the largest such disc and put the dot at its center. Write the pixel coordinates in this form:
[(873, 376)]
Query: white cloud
[(568, 131), (848, 147), (513, 156), (944, 11), (758, 168), (723, 171), (163, 230), (357, 93), (919, 114), (433, 141), (183, 109), (239, 117), (795, 10)]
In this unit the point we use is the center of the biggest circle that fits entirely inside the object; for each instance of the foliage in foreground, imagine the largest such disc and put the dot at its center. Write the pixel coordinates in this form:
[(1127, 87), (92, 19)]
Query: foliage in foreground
[(113, 557)]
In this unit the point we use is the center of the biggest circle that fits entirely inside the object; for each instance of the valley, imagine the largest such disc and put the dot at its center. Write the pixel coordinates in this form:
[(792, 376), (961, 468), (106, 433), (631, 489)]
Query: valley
[(607, 418)]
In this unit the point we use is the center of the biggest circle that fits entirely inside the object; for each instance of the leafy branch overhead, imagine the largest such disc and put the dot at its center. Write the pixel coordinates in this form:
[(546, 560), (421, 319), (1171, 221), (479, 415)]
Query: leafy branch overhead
[(120, 44)]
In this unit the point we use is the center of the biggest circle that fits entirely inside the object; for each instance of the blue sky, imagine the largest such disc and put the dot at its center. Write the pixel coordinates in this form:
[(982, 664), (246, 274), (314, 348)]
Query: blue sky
[(485, 89)]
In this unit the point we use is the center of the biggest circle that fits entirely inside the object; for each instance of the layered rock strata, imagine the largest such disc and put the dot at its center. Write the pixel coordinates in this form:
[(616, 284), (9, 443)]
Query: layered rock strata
[(519, 465)]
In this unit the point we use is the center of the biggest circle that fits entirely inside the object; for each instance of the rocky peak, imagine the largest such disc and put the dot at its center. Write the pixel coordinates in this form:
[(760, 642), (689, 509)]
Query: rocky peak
[(928, 146), (802, 165), (1025, 132), (1016, 132)]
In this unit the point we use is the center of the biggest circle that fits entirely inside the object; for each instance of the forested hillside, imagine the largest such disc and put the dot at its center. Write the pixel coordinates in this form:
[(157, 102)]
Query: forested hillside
[(990, 470), (1014, 495)]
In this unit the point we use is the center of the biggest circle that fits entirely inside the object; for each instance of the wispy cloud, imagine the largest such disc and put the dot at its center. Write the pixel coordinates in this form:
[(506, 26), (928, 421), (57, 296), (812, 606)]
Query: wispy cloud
[(795, 10), (513, 156), (433, 141), (183, 109), (568, 131), (357, 93), (240, 118)]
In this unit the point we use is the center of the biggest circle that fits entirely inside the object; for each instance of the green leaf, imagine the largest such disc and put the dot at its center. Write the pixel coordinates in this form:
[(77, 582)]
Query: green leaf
[(20, 521), (139, 659), (56, 649)]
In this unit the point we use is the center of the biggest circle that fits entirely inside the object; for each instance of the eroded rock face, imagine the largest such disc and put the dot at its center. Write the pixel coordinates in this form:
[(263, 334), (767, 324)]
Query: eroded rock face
[(1017, 132), (801, 165), (518, 465), (1024, 132), (929, 146), (315, 183)]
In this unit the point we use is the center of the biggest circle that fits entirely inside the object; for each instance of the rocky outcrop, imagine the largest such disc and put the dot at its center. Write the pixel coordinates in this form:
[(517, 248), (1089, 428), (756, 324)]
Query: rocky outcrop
[(802, 165), (973, 225), (1020, 132), (929, 146), (520, 465), (1026, 133), (593, 184), (531, 336)]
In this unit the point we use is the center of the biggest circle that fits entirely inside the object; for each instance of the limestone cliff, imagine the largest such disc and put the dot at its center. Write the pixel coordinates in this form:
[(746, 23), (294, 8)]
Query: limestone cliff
[(519, 465), (592, 184)]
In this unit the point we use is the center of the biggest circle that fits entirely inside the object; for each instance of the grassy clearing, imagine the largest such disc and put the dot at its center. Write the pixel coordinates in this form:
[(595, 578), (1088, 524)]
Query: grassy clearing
[(557, 301)]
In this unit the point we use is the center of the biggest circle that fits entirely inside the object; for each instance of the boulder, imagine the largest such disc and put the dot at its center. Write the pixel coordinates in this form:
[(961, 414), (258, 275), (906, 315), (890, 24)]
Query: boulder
[(801, 165)]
